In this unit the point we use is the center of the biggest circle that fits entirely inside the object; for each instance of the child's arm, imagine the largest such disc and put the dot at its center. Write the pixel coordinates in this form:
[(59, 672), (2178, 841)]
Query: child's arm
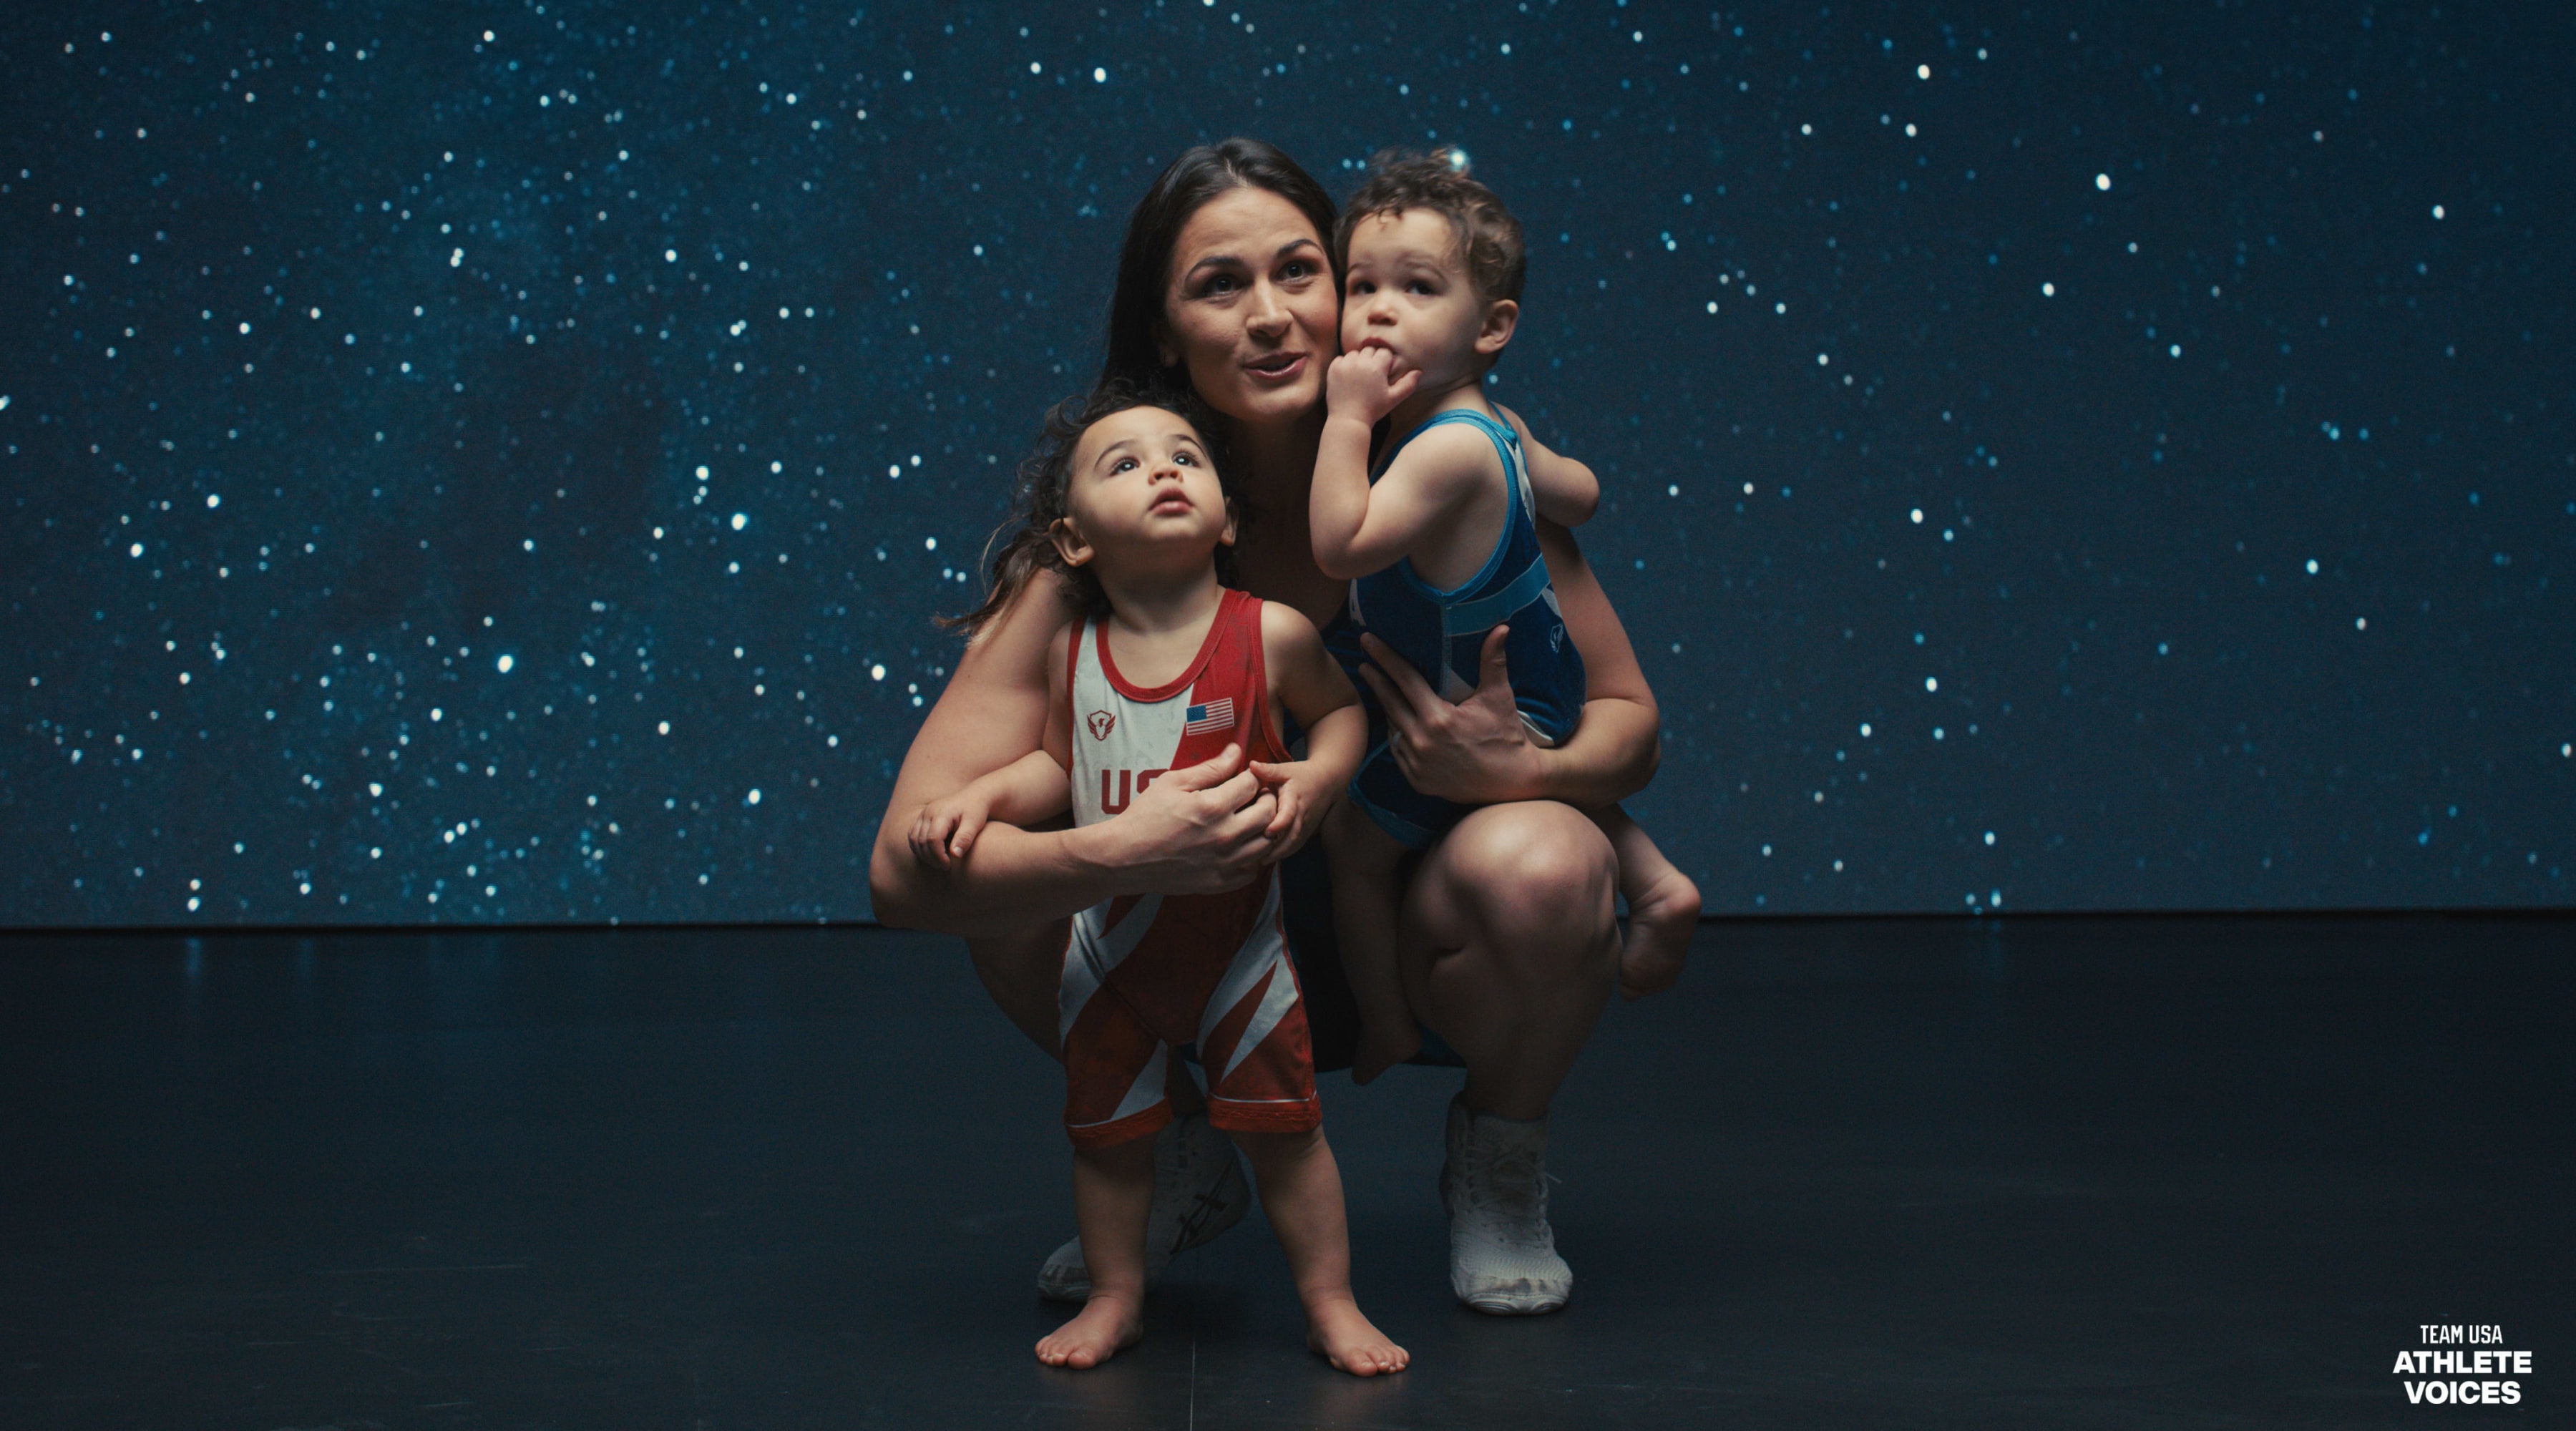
[(1311, 687), (1029, 789), (1566, 490), (1358, 528)]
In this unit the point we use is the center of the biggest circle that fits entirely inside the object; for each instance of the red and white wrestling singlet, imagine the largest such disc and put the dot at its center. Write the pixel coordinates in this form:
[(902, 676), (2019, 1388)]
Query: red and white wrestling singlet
[(1144, 974)]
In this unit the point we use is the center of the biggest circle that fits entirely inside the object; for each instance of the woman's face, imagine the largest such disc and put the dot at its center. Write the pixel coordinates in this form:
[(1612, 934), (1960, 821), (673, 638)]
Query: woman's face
[(1250, 308)]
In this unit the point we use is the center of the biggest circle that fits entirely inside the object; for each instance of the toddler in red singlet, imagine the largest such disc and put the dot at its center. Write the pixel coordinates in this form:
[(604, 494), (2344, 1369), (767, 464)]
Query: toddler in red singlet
[(1170, 668)]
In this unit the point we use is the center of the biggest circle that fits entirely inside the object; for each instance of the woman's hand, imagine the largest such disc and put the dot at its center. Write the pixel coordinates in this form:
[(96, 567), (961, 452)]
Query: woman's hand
[(1476, 751), (1202, 829)]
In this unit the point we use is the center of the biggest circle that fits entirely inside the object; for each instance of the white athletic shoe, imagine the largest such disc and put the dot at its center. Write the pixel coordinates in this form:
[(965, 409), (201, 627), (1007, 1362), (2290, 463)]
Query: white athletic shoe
[(1502, 1253), (1199, 1191)]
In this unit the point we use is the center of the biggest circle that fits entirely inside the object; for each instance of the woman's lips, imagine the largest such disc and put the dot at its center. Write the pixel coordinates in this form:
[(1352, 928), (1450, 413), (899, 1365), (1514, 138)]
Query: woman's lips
[(1277, 367)]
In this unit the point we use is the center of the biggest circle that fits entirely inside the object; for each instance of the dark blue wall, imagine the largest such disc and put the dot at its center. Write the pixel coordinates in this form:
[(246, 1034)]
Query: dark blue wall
[(2068, 457)]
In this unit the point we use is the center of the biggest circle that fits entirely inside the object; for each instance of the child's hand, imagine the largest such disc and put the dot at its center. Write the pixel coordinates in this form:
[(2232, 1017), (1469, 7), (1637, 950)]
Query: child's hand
[(1365, 384), (946, 829), (1302, 802)]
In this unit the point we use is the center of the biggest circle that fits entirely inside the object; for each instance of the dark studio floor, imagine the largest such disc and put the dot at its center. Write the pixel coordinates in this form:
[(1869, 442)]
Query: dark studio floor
[(2084, 1172)]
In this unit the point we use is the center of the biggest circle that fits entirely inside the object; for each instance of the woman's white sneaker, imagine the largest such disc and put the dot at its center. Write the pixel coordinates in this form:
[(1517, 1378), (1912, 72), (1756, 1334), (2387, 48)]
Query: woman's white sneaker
[(1502, 1253), (1199, 1191)]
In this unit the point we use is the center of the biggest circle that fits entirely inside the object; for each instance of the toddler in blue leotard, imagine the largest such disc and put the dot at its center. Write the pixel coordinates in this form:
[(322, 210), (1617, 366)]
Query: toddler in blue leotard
[(1440, 539)]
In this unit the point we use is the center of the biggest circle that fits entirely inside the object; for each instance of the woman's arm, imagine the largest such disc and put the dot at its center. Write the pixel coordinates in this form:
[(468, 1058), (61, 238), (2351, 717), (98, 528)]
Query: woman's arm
[(1476, 751), (1195, 830), (1615, 751)]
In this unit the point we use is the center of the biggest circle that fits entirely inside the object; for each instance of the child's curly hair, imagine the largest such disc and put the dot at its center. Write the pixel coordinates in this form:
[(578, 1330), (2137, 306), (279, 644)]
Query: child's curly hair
[(1488, 236), (1021, 547)]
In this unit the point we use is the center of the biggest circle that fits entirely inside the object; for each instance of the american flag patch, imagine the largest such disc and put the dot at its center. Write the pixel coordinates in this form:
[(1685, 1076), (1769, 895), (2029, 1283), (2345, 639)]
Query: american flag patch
[(1214, 716)]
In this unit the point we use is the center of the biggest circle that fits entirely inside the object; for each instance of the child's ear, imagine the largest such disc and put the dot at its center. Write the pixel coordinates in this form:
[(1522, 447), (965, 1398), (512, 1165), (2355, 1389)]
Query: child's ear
[(1496, 333), (1233, 521), (1070, 544)]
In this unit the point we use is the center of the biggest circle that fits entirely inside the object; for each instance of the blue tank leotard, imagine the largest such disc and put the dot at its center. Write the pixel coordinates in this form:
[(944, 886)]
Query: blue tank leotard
[(1442, 633)]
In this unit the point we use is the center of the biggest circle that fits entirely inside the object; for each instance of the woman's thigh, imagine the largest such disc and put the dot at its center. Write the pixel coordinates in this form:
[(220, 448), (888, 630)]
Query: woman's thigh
[(1021, 972)]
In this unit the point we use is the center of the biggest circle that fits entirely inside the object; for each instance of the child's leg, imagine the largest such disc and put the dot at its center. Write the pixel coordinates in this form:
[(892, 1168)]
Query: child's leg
[(1663, 907), (1365, 895), (1301, 1190), (1112, 1188)]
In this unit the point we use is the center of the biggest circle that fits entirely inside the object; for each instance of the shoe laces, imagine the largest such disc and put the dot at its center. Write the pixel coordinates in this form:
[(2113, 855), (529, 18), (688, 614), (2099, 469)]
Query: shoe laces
[(1507, 1181)]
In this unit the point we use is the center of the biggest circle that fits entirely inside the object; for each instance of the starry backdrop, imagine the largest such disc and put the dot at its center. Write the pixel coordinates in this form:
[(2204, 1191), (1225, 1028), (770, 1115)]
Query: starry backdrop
[(497, 462)]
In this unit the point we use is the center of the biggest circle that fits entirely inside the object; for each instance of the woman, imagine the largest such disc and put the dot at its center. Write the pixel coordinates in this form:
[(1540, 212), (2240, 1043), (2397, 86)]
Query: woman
[(1226, 282)]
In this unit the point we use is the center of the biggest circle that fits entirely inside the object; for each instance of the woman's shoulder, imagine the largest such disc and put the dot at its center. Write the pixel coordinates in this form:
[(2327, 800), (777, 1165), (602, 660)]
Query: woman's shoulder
[(1015, 647)]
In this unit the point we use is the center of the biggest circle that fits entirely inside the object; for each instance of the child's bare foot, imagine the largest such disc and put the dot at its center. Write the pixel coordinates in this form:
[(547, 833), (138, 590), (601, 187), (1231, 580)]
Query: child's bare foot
[(1107, 1325), (1660, 925), (1336, 1331), (1380, 1050)]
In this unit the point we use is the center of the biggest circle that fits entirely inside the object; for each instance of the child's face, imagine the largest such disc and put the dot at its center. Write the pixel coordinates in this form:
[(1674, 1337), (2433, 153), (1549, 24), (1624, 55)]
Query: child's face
[(1408, 291), (1143, 496)]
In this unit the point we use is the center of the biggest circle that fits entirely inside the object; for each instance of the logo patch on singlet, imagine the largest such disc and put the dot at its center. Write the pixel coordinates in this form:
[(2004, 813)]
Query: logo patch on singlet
[(1101, 723)]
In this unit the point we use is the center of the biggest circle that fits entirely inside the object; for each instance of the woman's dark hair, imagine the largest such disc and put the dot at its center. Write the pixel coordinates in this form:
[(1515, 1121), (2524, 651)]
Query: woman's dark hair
[(1201, 173), (1132, 372), (1022, 546)]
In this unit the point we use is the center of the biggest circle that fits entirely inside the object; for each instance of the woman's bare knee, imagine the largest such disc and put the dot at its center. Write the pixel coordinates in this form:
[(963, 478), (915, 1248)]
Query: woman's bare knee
[(1513, 942), (1534, 876)]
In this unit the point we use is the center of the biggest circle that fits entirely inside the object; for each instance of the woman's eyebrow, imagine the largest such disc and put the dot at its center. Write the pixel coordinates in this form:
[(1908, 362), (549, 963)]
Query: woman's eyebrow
[(1227, 260)]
